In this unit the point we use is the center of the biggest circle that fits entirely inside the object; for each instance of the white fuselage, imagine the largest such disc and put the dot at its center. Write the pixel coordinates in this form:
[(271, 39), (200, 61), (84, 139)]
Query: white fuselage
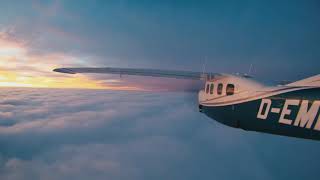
[(229, 89)]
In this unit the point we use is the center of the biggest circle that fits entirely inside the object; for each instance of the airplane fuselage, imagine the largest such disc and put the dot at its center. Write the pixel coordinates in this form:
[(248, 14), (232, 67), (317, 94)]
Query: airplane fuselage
[(288, 111)]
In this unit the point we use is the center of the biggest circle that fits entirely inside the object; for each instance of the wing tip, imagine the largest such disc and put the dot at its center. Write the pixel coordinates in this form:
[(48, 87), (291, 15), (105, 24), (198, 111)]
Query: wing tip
[(64, 70)]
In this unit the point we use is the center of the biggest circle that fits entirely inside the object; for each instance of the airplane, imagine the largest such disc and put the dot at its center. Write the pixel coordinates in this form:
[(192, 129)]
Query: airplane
[(241, 102)]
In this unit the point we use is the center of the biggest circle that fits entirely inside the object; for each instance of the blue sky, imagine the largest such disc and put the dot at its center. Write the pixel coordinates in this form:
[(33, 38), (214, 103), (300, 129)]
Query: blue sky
[(279, 38)]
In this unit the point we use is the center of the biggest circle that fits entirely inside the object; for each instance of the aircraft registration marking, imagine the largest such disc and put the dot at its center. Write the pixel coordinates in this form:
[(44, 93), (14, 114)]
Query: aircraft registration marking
[(305, 116), (275, 110)]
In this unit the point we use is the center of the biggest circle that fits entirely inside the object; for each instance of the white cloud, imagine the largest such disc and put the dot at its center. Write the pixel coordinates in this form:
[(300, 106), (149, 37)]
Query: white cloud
[(5, 115), (86, 134)]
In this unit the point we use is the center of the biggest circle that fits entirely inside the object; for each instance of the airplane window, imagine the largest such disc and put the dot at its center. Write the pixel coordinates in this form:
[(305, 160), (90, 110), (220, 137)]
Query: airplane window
[(207, 89), (230, 89), (220, 87), (211, 88)]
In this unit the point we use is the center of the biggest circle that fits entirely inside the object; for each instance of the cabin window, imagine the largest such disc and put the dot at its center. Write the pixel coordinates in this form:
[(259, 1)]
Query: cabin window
[(211, 88), (207, 89), (220, 88), (230, 89)]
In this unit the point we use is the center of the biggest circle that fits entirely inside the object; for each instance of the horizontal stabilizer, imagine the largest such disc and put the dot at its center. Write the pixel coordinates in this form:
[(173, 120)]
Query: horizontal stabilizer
[(311, 81)]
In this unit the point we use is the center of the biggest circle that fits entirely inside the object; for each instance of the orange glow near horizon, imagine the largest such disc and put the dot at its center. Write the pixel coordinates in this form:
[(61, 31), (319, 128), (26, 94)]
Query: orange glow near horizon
[(18, 68), (12, 79)]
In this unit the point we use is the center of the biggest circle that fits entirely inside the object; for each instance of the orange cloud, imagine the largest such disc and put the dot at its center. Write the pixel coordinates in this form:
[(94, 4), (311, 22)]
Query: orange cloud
[(18, 68)]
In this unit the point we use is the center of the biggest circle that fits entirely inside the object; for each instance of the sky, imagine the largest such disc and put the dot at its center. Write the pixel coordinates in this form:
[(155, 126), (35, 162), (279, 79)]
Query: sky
[(280, 39), (58, 126)]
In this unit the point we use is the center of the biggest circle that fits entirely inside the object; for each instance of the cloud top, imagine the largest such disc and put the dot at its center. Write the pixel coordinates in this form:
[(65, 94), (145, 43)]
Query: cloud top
[(63, 134)]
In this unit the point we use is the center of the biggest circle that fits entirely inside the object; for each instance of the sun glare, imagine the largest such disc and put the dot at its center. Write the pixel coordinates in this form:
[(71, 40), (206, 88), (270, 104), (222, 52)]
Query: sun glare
[(20, 69)]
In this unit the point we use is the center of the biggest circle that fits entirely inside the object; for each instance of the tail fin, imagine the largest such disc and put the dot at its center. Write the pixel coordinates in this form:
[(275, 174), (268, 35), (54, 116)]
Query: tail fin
[(311, 81)]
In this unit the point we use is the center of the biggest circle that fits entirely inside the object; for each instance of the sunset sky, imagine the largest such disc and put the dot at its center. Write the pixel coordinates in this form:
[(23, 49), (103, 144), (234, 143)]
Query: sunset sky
[(38, 36), (21, 68), (51, 132)]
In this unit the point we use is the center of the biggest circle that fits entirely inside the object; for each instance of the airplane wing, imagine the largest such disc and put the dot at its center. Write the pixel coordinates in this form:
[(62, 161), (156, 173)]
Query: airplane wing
[(142, 72)]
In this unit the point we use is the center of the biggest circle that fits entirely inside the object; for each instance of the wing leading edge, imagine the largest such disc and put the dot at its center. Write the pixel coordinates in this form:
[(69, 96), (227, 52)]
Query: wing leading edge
[(141, 72)]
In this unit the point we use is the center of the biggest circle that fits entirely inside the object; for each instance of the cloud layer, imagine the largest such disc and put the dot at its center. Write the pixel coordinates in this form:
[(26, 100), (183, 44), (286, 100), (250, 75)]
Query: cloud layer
[(94, 134)]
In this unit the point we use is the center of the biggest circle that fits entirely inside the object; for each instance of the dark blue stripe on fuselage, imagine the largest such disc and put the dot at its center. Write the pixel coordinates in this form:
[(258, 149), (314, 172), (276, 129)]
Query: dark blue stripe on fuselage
[(244, 115)]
